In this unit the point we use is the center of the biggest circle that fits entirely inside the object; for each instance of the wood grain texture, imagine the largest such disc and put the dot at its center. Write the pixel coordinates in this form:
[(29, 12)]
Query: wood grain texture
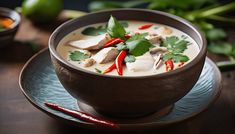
[(17, 115)]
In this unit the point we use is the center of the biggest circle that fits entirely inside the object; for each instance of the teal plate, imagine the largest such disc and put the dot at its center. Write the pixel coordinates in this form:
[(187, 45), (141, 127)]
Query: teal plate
[(40, 84)]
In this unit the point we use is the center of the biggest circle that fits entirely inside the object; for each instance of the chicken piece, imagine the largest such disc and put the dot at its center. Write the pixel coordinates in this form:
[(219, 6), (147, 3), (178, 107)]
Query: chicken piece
[(88, 62), (142, 63), (156, 50), (154, 38), (91, 43), (106, 55), (158, 61), (166, 30)]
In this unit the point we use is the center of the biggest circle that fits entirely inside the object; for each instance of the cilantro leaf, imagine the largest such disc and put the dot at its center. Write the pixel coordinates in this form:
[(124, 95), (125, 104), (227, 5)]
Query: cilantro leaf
[(175, 57), (174, 44), (115, 29), (138, 47), (92, 31), (78, 56), (129, 58)]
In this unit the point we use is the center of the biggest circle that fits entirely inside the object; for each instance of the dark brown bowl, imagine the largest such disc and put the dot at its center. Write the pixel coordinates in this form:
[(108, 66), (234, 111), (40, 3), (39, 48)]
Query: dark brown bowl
[(7, 36), (128, 96)]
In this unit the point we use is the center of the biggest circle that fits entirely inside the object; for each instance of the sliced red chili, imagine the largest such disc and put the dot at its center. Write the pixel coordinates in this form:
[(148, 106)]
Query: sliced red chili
[(119, 61), (111, 68), (169, 65), (113, 41), (145, 26), (83, 116)]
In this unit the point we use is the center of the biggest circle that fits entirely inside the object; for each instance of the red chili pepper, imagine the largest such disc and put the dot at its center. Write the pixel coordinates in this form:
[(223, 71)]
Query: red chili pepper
[(181, 64), (113, 66), (145, 26), (83, 116), (119, 61), (169, 65), (113, 41), (127, 36)]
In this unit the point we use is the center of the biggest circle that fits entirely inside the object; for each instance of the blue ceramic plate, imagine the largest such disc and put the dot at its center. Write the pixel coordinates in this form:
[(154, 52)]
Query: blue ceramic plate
[(40, 84)]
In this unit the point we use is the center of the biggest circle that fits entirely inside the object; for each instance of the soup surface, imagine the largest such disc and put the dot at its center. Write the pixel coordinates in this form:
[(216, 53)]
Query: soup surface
[(129, 48)]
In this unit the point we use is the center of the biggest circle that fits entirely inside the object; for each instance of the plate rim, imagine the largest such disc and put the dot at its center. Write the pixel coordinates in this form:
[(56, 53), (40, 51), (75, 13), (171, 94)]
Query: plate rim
[(92, 125)]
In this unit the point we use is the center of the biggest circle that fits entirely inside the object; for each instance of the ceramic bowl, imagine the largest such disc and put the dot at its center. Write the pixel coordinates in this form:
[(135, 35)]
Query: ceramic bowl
[(7, 36), (127, 96)]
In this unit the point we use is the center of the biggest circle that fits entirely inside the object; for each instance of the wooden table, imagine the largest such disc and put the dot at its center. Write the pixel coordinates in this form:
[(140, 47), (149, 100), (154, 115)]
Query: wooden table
[(18, 116)]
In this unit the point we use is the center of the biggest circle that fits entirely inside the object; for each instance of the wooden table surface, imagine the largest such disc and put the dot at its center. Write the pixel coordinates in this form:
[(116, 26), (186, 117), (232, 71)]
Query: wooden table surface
[(18, 116)]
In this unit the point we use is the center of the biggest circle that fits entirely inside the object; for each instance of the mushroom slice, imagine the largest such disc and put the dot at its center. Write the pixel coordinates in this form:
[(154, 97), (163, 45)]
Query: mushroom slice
[(154, 38), (142, 63), (166, 30), (158, 50), (158, 61), (91, 43), (106, 55), (88, 62)]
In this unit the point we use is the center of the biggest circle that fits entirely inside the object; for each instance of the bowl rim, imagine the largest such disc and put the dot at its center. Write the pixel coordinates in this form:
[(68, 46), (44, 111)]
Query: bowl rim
[(16, 19), (200, 55)]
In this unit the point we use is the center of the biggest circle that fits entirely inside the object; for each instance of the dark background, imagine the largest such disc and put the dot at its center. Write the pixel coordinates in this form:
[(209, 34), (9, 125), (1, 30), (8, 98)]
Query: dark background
[(68, 4)]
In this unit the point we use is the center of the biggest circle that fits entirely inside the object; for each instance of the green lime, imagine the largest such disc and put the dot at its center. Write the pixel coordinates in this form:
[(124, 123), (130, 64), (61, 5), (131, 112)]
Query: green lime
[(42, 11)]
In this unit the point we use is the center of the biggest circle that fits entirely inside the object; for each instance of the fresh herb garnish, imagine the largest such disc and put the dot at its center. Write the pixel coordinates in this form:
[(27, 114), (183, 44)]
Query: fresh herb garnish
[(93, 31), (138, 47), (78, 56), (98, 71), (115, 29), (129, 58), (174, 44), (175, 57), (175, 47)]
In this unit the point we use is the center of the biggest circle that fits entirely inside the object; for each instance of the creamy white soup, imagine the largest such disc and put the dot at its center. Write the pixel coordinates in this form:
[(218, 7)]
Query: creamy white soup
[(128, 48)]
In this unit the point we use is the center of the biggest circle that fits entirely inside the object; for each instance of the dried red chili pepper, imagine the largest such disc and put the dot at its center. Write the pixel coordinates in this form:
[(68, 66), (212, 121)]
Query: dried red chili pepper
[(113, 41), (113, 66), (145, 26), (83, 116), (119, 61), (169, 65)]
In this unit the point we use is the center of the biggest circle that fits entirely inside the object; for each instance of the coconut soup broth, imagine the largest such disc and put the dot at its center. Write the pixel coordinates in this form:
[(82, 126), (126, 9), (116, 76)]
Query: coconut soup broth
[(143, 68)]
